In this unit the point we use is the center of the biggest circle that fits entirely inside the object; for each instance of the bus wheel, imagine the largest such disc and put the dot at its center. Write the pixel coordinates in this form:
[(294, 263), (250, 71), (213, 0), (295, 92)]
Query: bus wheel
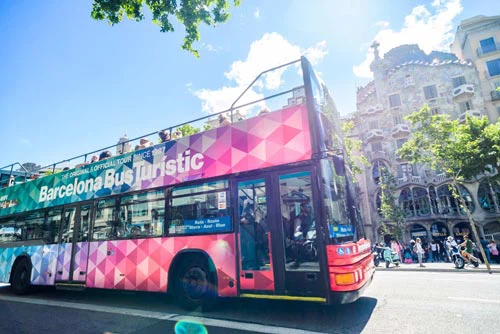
[(21, 277), (195, 285)]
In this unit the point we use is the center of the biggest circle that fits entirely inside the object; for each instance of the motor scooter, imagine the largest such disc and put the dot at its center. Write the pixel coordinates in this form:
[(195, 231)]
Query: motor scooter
[(459, 260), (390, 257)]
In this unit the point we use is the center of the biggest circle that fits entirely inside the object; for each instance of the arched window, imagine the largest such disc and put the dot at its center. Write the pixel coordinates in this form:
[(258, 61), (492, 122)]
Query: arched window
[(487, 193), (434, 203), (448, 202), (450, 205), (406, 202), (421, 199), (468, 199), (378, 165), (485, 196), (378, 202)]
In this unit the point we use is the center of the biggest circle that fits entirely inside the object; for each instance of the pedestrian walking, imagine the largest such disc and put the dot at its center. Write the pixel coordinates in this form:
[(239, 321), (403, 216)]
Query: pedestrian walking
[(492, 246), (419, 250), (487, 252)]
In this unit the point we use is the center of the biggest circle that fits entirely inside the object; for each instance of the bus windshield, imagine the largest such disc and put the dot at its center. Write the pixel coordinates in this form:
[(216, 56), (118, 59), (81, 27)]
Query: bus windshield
[(340, 226)]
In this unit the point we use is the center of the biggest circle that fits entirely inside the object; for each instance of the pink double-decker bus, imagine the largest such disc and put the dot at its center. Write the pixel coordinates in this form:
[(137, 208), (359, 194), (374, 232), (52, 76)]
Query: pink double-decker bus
[(259, 206)]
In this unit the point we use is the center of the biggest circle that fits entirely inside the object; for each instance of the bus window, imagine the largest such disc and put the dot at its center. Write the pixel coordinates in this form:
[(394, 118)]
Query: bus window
[(104, 220), (52, 225), (299, 226), (32, 225), (9, 231), (200, 209), (143, 214), (254, 231)]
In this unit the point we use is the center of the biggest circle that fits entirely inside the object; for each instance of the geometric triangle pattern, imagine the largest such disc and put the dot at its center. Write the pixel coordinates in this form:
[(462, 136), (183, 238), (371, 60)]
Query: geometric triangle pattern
[(43, 259), (143, 264), (271, 139), (138, 264)]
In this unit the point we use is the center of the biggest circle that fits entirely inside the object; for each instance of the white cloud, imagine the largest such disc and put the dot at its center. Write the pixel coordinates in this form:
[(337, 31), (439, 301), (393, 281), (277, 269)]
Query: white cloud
[(209, 47), (25, 141), (256, 13), (431, 29), (383, 24), (269, 51)]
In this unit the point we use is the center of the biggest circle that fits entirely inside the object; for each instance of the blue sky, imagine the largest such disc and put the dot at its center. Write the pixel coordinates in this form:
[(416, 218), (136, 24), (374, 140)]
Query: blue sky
[(69, 84)]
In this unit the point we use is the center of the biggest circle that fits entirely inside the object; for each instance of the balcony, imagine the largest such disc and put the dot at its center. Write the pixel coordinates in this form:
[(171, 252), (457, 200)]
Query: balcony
[(400, 129), (472, 113), (375, 134), (377, 109), (481, 53), (464, 90), (410, 180), (495, 95), (379, 155)]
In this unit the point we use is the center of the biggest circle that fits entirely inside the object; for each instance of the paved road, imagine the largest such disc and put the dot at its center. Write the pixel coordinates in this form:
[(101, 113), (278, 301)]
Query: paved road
[(396, 302)]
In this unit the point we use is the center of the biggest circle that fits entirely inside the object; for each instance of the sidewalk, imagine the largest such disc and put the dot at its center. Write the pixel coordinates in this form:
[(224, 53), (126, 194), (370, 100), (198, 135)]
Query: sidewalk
[(440, 267)]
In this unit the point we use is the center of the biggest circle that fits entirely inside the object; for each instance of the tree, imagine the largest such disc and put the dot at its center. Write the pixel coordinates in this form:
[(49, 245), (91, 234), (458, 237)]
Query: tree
[(352, 145), (29, 167), (389, 208), (190, 13), (462, 151), (188, 130)]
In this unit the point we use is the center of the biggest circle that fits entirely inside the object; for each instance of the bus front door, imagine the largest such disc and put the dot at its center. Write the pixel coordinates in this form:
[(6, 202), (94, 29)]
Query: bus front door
[(73, 243), (255, 258), (300, 272)]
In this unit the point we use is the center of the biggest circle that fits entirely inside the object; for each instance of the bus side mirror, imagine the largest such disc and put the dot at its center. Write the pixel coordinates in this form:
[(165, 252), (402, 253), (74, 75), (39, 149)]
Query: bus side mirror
[(338, 163)]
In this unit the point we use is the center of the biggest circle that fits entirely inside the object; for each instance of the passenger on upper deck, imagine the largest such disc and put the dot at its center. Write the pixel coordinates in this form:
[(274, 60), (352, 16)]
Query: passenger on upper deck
[(164, 136), (105, 155), (144, 142), (177, 134), (263, 111), (223, 120)]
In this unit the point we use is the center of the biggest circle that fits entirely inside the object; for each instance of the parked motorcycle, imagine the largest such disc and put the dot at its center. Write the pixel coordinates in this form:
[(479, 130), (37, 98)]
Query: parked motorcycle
[(377, 255)]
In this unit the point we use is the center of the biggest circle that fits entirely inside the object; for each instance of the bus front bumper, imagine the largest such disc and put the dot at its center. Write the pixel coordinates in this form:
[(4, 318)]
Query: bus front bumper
[(346, 297)]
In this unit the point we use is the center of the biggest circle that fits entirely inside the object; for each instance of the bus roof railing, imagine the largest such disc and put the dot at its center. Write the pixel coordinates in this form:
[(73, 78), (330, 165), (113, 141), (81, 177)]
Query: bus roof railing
[(52, 168)]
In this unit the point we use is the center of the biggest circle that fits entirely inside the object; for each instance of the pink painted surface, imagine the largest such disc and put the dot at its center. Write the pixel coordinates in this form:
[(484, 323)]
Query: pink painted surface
[(143, 264), (272, 139)]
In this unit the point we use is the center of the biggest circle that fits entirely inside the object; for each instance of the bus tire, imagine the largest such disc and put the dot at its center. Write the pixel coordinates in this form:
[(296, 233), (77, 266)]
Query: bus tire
[(21, 277), (195, 285)]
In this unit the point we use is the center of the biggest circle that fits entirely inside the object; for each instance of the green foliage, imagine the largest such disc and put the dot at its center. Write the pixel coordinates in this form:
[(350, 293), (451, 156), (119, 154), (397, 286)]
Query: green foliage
[(188, 130), (206, 127), (190, 13), (389, 208), (350, 146), (461, 150)]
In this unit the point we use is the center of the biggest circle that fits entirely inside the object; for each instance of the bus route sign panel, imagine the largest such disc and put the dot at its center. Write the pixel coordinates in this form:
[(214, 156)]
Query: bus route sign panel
[(269, 140), (204, 225), (339, 231)]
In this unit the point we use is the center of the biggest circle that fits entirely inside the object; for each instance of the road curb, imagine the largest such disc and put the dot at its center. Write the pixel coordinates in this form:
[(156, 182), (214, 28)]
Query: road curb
[(441, 270)]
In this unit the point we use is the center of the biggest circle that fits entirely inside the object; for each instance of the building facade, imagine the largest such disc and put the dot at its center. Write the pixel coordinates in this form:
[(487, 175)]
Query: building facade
[(478, 40), (406, 79)]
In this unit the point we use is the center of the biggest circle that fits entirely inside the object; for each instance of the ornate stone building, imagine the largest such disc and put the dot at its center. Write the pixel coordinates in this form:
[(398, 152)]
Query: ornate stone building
[(404, 80), (478, 40)]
